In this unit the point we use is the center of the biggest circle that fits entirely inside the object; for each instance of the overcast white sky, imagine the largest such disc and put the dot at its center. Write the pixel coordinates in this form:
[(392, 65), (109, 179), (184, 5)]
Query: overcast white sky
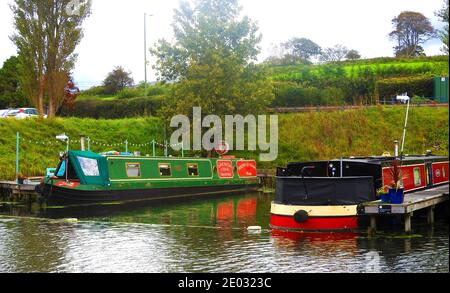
[(114, 33)]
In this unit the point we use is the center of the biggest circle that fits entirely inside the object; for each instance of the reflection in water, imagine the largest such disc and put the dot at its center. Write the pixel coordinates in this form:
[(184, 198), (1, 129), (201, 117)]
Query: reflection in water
[(207, 235)]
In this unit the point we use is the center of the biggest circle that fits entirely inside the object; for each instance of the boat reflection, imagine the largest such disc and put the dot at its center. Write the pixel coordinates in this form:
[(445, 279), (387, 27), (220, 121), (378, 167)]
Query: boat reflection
[(317, 242), (224, 212)]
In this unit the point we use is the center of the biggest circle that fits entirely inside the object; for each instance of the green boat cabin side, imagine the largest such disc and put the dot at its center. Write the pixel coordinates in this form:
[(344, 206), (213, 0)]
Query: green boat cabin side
[(91, 171)]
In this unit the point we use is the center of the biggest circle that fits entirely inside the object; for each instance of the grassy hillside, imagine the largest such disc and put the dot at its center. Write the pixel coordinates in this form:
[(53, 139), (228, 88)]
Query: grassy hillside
[(350, 82), (303, 136), (378, 67)]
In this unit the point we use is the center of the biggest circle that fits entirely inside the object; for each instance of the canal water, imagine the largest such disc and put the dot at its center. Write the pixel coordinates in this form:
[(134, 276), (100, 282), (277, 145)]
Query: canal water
[(207, 235)]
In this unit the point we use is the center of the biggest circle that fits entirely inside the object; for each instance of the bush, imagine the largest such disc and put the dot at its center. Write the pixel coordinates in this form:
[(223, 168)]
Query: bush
[(290, 94), (128, 93), (116, 109), (415, 86), (95, 91)]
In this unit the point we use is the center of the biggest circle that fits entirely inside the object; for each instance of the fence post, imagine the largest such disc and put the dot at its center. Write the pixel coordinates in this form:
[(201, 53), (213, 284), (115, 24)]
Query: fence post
[(17, 156), (154, 148), (166, 149)]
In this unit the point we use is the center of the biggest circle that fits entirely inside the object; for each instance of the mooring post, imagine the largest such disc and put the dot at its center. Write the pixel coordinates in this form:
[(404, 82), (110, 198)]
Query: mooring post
[(17, 156), (430, 215), (83, 142), (89, 144), (408, 217), (126, 146), (373, 223)]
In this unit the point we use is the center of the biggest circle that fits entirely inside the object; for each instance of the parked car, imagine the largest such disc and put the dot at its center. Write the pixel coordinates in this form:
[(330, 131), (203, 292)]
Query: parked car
[(22, 113), (3, 113)]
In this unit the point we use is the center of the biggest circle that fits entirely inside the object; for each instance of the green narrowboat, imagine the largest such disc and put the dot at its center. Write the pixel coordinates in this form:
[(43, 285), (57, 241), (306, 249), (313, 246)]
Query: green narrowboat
[(86, 177)]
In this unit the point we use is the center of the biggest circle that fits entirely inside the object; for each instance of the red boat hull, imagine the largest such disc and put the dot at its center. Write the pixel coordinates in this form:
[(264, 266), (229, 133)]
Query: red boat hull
[(314, 224)]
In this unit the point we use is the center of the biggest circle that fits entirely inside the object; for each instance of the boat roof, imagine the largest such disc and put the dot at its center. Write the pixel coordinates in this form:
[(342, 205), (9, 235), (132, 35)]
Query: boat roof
[(378, 160)]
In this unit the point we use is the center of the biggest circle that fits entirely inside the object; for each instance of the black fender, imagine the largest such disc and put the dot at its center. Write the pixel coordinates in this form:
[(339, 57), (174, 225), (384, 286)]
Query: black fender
[(301, 216)]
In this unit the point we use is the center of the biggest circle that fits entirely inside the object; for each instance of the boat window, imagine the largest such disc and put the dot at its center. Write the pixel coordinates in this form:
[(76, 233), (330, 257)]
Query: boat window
[(417, 179), (133, 170), (192, 169), (89, 166), (61, 172), (62, 169), (165, 170)]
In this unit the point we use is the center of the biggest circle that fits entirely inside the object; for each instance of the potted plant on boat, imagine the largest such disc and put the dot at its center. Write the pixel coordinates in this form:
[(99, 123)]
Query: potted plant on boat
[(396, 193), (383, 195)]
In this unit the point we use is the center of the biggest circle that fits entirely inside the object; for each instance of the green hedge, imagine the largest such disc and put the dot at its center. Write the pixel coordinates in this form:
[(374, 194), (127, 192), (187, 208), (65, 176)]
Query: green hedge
[(115, 109), (291, 94), (421, 86)]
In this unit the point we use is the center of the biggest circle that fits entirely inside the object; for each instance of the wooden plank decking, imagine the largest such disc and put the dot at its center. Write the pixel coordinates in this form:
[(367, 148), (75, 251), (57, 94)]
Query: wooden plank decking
[(425, 199), (10, 190)]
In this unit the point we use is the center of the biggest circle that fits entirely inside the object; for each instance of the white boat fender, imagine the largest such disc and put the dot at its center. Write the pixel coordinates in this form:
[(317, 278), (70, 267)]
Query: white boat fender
[(254, 229), (301, 216)]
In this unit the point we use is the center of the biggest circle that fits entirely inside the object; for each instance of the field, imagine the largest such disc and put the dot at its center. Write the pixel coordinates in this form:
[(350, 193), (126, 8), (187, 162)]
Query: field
[(379, 68), (360, 82), (302, 136)]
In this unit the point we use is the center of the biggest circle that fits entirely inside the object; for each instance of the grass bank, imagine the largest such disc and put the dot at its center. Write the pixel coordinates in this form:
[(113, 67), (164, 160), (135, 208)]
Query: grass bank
[(302, 136), (39, 149)]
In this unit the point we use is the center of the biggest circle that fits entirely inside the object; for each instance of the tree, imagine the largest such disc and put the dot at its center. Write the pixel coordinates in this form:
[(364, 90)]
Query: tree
[(443, 34), (212, 60), (279, 55), (117, 80), (334, 54), (11, 95), (411, 29), (353, 55), (47, 33), (287, 59), (302, 48)]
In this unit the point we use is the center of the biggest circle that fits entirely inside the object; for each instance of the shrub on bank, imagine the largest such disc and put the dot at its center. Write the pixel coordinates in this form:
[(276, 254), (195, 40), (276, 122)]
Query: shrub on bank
[(415, 86), (115, 109)]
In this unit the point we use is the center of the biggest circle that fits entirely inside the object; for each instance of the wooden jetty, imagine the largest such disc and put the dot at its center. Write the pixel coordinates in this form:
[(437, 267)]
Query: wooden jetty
[(425, 199), (11, 191)]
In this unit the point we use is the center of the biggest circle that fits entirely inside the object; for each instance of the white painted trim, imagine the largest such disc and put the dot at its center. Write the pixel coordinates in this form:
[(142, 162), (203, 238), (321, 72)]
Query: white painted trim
[(315, 211), (435, 163), (406, 166), (157, 158)]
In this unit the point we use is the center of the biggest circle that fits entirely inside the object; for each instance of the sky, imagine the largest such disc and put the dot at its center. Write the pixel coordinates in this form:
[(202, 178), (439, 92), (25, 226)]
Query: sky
[(114, 33)]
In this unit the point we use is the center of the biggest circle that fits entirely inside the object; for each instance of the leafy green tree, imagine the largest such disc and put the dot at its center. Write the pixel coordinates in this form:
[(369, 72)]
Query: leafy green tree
[(46, 35), (287, 59), (443, 34), (117, 80), (334, 54), (11, 95), (411, 30), (213, 61), (303, 48), (353, 55)]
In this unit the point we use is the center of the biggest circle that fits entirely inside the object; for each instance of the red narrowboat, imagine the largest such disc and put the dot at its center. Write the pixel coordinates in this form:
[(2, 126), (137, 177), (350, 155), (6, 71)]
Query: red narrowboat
[(325, 195)]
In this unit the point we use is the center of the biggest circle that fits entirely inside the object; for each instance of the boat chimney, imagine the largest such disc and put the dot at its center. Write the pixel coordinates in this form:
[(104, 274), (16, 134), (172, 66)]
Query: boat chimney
[(396, 148), (83, 142)]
